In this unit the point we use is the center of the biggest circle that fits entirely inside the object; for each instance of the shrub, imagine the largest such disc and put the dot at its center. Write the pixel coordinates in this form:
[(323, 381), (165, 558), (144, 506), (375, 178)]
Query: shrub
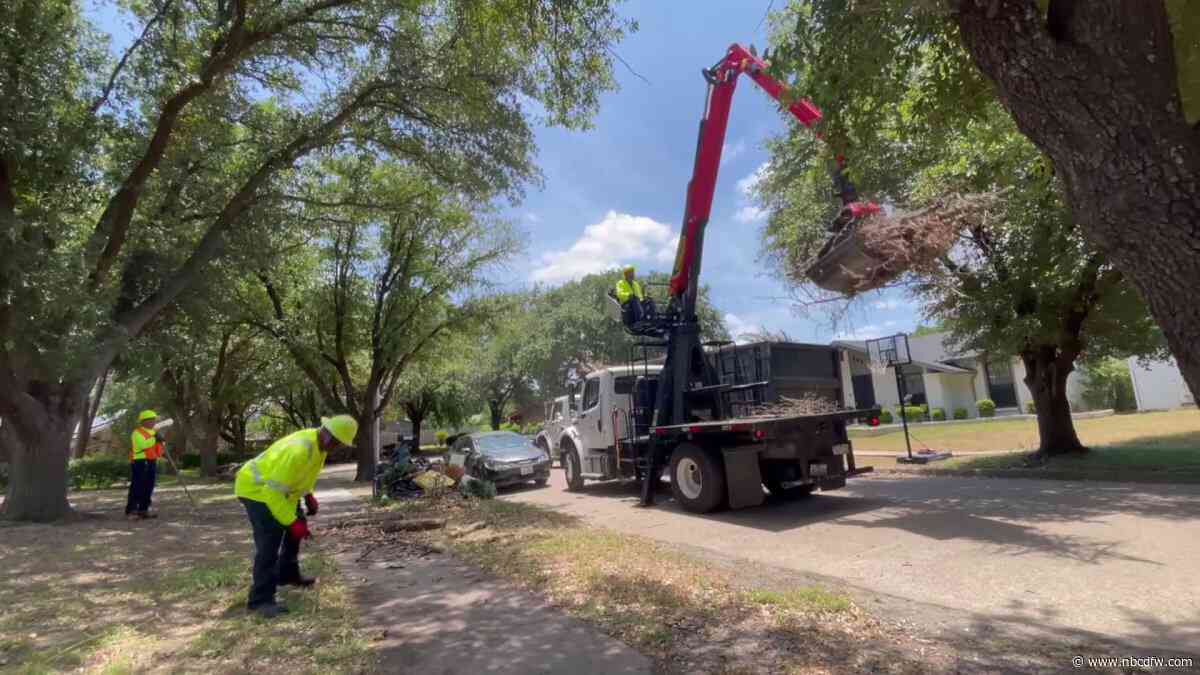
[(960, 413), (987, 407), (192, 460), (441, 437), (1108, 384), (532, 428), (914, 413), (97, 471), (885, 416), (938, 414), (925, 409), (1030, 408), (479, 489), (509, 426)]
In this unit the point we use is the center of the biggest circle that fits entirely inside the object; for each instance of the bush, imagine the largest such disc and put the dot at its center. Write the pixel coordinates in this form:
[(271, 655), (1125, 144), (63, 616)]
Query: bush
[(441, 437), (960, 413), (532, 428), (192, 460), (479, 489), (914, 413), (97, 471), (885, 416), (1030, 408), (509, 426), (1108, 384), (938, 415), (925, 409), (987, 407)]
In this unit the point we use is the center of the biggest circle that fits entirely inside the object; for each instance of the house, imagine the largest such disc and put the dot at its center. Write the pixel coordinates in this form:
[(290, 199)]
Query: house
[(1158, 385), (943, 377), (101, 439)]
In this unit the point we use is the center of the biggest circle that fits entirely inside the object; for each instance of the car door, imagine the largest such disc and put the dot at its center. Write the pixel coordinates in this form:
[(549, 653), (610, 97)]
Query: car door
[(590, 423)]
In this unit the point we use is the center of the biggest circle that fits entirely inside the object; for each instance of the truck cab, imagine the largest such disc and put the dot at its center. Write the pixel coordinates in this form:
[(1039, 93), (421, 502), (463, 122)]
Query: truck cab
[(599, 443)]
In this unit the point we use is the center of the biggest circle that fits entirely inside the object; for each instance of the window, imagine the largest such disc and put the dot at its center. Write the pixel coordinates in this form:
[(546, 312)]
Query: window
[(1001, 386), (591, 394)]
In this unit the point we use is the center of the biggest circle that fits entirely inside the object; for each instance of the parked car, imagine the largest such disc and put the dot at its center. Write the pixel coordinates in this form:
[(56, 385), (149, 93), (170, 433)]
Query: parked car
[(502, 457)]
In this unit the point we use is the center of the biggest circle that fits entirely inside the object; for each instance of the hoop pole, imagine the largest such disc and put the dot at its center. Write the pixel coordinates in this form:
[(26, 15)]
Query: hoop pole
[(903, 409)]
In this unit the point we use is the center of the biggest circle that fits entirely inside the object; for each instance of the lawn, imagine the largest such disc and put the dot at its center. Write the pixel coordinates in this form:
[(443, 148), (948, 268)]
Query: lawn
[(1147, 446), (105, 595)]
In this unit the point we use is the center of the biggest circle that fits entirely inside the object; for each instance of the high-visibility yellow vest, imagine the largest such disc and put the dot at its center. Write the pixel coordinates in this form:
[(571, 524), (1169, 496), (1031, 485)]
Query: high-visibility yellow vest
[(282, 474), (625, 289), (143, 444)]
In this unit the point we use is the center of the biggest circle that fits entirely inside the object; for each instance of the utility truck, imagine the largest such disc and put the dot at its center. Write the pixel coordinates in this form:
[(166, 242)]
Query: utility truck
[(682, 415), (558, 417)]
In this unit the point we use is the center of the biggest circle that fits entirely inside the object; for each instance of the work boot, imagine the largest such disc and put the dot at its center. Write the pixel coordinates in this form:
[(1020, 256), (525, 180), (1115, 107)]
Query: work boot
[(270, 610), (299, 580)]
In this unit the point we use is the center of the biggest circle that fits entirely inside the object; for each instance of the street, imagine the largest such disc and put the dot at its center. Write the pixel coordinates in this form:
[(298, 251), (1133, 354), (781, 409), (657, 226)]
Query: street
[(1117, 560)]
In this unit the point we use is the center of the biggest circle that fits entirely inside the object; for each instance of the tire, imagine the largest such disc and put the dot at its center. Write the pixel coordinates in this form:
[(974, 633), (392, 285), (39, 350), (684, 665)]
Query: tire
[(572, 469), (697, 478), (541, 482)]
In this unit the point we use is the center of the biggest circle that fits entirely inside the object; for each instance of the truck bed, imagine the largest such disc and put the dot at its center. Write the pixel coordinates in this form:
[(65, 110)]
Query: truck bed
[(763, 423)]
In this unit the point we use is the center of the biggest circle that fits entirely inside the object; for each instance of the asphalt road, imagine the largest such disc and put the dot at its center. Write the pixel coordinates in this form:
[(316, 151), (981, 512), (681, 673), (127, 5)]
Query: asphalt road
[(1067, 558)]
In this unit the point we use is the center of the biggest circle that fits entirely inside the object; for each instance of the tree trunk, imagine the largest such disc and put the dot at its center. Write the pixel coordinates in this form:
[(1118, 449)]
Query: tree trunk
[(39, 446), (497, 409), (91, 407), (1093, 83), (367, 441), (210, 437), (1046, 376), (416, 431)]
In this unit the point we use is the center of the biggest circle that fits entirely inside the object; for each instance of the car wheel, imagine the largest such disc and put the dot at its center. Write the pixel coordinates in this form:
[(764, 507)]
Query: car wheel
[(697, 478), (572, 469)]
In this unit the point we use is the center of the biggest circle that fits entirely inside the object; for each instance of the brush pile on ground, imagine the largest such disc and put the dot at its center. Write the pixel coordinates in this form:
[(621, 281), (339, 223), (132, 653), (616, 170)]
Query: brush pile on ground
[(914, 242)]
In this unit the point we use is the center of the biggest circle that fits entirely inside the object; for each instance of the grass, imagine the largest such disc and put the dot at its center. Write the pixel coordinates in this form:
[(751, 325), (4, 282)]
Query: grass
[(687, 613), (1162, 446), (104, 595)]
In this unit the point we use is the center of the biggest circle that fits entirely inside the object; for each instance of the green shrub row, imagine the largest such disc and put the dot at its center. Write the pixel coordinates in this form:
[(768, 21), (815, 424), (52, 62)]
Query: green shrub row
[(960, 413), (97, 471), (987, 407)]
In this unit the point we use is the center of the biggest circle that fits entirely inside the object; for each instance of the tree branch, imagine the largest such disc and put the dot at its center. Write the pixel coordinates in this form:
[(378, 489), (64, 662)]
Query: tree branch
[(112, 79)]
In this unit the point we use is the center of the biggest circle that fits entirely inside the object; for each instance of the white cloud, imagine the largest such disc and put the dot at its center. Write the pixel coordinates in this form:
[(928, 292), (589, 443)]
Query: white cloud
[(750, 214), (867, 332), (738, 328), (666, 254), (730, 151), (533, 217), (888, 304), (618, 238), (747, 184)]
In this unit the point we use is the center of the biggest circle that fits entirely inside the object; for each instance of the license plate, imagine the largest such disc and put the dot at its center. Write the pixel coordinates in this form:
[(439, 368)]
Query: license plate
[(527, 471), (818, 470), (841, 448)]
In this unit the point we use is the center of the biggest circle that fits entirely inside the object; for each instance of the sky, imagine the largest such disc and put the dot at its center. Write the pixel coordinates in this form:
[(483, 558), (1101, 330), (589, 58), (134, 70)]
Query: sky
[(614, 194)]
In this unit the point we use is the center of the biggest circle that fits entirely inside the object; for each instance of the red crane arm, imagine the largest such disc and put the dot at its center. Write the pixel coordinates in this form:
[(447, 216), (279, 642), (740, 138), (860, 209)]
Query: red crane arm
[(722, 79)]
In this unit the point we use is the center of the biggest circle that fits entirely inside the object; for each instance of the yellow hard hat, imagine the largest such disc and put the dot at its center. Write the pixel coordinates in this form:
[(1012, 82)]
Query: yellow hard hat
[(343, 427), (628, 269), (147, 415)]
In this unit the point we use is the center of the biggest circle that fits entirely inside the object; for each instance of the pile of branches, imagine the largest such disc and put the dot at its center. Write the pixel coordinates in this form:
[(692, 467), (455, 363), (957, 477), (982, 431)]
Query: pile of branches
[(792, 407), (913, 242)]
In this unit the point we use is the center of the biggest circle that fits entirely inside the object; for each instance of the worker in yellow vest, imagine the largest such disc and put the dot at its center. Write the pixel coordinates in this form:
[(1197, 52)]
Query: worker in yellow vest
[(271, 486), (635, 306), (144, 451)]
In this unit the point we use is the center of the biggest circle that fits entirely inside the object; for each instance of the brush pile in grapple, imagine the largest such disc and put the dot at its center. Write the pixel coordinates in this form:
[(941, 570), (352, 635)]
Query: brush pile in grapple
[(879, 248)]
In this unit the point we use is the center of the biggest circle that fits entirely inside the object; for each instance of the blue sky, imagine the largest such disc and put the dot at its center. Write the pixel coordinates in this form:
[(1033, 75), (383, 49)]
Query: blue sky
[(614, 194)]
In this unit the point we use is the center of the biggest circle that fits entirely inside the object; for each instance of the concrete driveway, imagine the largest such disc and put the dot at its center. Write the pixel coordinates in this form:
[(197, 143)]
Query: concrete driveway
[(1115, 560)]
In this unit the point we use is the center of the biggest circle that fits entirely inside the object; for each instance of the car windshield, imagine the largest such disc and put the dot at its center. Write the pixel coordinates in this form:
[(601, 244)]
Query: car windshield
[(500, 442)]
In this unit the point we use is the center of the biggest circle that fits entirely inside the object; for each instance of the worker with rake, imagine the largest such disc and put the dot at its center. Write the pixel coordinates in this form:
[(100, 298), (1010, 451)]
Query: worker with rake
[(144, 451), (270, 487)]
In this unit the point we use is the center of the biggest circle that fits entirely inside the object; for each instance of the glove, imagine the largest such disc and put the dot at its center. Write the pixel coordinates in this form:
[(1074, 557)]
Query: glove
[(310, 503), (298, 530)]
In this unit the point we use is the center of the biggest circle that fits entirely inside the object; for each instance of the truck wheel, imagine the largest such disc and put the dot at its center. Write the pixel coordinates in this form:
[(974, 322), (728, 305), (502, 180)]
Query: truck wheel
[(572, 469), (697, 478)]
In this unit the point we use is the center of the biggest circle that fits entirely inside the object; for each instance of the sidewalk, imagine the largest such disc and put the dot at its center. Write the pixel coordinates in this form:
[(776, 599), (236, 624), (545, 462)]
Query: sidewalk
[(434, 614)]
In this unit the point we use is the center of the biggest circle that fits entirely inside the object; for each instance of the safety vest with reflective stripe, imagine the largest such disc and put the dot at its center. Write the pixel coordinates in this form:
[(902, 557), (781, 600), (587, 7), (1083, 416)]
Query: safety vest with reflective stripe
[(625, 289), (282, 474), (144, 445)]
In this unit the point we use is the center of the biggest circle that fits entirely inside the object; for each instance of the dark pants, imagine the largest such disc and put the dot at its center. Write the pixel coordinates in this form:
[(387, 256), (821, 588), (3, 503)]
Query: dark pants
[(276, 555), (634, 311), (142, 473)]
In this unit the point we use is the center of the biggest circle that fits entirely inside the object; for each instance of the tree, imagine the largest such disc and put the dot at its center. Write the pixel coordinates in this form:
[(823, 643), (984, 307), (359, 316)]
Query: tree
[(435, 388), (1108, 90), (396, 273), (122, 180), (1023, 281), (511, 349)]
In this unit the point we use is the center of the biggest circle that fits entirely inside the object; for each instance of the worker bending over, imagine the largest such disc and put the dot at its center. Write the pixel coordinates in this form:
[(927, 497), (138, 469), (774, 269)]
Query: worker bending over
[(635, 306), (270, 486), (144, 451)]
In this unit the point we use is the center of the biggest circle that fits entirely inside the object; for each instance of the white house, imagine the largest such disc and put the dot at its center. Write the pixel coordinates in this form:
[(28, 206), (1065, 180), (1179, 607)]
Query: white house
[(1158, 385), (943, 378)]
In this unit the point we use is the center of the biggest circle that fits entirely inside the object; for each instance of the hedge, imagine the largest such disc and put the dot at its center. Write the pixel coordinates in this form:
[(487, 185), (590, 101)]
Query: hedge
[(914, 413), (1030, 408), (885, 416), (987, 407), (97, 471), (938, 415), (960, 413), (192, 461)]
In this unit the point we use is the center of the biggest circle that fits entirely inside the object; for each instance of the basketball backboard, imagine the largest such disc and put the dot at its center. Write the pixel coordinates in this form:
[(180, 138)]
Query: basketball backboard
[(888, 352)]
